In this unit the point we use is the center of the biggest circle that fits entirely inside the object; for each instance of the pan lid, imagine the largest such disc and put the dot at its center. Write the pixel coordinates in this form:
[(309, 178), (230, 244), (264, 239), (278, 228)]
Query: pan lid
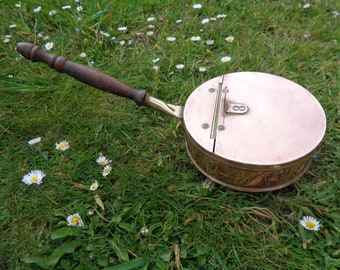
[(255, 118)]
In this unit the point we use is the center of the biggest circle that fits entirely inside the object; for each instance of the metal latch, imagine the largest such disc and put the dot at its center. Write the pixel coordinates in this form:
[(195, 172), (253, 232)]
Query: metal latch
[(235, 108)]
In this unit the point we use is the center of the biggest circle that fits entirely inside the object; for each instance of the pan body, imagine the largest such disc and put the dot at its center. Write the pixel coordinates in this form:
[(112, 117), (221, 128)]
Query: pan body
[(252, 131)]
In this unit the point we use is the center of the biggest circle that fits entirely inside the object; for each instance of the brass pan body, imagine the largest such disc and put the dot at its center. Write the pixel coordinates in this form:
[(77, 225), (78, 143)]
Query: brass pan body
[(269, 146)]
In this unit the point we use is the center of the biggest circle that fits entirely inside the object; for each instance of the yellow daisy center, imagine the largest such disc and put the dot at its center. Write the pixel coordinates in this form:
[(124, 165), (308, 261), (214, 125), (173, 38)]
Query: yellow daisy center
[(310, 224), (102, 162), (34, 178), (107, 170), (63, 145), (75, 220)]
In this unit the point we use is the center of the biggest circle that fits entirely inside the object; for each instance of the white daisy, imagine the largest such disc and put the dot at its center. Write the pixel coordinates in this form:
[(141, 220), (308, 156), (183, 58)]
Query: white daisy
[(197, 38), (122, 28), (75, 220), (225, 59), (33, 177), (66, 7), (150, 19), (180, 66), (197, 6), (202, 69), (219, 16), (310, 223), (13, 25), (82, 54), (94, 186), (144, 232), (34, 141), (37, 9), (62, 146), (229, 39), (49, 45), (205, 21), (79, 8), (102, 160), (210, 42), (107, 169), (170, 38), (104, 33), (52, 12)]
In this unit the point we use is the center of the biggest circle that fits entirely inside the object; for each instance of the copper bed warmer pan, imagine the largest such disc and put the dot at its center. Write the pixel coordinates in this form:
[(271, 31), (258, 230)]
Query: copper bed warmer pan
[(248, 131)]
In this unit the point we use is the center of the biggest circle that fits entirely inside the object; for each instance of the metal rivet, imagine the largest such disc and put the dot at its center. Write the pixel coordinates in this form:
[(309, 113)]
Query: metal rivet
[(221, 127), (211, 90), (205, 125)]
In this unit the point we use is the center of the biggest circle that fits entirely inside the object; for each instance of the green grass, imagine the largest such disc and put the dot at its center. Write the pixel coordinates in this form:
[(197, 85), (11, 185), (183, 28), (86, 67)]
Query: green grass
[(153, 184)]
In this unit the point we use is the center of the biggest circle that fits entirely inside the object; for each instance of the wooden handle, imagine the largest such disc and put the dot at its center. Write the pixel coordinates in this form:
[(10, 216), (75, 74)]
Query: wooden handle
[(83, 73)]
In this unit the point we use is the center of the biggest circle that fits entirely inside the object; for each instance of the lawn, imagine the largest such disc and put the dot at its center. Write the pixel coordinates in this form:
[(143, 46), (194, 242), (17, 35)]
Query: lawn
[(149, 209)]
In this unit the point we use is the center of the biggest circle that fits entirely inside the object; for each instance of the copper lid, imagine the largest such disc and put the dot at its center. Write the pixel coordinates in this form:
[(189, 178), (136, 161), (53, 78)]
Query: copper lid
[(255, 118)]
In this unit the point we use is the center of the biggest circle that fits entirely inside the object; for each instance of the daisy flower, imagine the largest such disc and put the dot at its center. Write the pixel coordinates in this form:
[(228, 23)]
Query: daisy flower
[(62, 146), (37, 9), (102, 160), (210, 42), (144, 232), (208, 184), (204, 21), (220, 16), (122, 28), (107, 169), (34, 141), (104, 33), (229, 39), (197, 6), (155, 60), (79, 8), (202, 69), (82, 54), (33, 177), (52, 12), (155, 67), (310, 223), (94, 186), (13, 25), (197, 38), (170, 38), (66, 7), (180, 66), (225, 59), (49, 45), (150, 19), (75, 220)]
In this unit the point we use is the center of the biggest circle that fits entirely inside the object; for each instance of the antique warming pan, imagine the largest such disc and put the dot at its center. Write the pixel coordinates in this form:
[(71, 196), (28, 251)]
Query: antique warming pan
[(249, 131)]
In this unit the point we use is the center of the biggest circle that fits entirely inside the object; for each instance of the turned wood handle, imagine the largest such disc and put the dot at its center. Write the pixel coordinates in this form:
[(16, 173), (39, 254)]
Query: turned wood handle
[(82, 73)]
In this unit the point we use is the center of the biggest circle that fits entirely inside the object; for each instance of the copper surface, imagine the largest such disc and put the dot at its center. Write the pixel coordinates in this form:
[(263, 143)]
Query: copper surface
[(269, 146)]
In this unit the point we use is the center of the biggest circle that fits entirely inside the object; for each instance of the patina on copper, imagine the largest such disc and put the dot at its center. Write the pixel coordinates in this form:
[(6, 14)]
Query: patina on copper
[(248, 131)]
